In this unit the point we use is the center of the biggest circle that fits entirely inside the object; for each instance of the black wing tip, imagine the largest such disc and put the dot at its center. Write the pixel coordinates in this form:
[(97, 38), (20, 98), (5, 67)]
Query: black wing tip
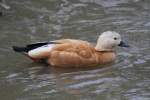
[(18, 49), (30, 46)]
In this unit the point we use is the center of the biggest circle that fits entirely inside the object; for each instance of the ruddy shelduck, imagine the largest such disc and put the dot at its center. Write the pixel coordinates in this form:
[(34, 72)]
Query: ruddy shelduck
[(75, 53)]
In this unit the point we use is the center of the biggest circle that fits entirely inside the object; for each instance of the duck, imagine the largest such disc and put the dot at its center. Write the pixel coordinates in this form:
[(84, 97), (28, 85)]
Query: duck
[(75, 52)]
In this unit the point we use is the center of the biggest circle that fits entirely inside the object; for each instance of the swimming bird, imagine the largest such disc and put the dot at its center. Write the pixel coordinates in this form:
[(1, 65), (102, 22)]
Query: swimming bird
[(73, 52)]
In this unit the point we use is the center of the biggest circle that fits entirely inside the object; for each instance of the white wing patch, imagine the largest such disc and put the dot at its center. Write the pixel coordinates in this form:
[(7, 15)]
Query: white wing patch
[(40, 50)]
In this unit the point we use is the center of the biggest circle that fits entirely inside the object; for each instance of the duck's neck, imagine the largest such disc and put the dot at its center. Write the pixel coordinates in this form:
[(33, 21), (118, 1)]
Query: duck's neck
[(100, 47), (104, 50)]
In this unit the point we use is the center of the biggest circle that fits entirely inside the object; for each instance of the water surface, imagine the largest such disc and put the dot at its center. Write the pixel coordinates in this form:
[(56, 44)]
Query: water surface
[(30, 21)]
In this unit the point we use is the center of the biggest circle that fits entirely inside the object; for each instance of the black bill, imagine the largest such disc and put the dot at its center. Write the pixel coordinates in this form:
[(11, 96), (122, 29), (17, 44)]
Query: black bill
[(123, 44)]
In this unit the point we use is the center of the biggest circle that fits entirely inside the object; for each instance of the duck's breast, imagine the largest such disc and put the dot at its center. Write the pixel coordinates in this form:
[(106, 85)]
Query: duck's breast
[(106, 57)]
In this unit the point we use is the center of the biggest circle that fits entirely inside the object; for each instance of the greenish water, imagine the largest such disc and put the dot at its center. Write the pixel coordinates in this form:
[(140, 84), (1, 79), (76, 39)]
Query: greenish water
[(28, 21)]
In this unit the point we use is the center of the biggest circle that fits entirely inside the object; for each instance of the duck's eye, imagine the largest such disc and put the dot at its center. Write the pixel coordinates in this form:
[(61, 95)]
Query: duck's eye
[(115, 38)]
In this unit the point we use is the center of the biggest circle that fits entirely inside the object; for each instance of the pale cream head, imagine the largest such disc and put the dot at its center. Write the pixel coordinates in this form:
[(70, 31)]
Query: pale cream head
[(108, 41)]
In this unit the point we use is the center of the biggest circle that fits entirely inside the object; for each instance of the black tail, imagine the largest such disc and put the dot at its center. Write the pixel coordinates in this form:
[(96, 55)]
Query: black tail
[(30, 46)]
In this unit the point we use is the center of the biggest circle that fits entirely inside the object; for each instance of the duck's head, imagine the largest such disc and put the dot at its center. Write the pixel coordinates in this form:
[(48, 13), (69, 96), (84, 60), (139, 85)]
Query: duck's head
[(108, 41)]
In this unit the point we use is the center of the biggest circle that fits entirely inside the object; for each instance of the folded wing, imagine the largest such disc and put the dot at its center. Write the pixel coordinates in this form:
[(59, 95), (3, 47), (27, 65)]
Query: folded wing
[(72, 53)]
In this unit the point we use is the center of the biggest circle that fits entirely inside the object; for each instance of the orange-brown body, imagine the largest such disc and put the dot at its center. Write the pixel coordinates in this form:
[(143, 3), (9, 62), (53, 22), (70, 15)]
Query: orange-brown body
[(77, 53)]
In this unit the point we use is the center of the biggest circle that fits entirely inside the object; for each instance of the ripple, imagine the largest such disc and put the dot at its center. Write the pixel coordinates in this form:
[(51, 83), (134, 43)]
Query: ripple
[(139, 61), (13, 75), (106, 3), (92, 82)]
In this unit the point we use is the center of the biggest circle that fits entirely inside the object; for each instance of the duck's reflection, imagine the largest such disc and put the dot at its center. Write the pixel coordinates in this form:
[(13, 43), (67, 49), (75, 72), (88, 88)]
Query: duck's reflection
[(75, 80), (69, 80)]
